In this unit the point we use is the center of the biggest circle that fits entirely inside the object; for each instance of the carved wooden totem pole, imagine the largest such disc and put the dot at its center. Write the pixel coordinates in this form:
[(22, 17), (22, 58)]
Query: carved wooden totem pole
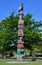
[(20, 46)]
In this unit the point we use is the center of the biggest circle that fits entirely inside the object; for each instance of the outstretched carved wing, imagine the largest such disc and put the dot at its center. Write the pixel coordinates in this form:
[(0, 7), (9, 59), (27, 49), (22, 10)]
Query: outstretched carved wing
[(21, 8)]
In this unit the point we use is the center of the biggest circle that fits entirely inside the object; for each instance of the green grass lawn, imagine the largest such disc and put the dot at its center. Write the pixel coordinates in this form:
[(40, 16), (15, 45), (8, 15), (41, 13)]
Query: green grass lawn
[(4, 62)]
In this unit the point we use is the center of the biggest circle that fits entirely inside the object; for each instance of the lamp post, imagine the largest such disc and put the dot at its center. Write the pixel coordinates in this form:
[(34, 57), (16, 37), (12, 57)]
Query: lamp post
[(20, 46)]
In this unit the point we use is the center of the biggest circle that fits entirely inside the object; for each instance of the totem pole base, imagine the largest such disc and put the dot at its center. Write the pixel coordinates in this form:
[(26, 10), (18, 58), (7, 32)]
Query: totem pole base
[(19, 58)]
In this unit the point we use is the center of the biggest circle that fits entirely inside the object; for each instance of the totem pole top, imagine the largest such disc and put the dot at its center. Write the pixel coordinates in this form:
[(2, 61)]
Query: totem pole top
[(21, 8)]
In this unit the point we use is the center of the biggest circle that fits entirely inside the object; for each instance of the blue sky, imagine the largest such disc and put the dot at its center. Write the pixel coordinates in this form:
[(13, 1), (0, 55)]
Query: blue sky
[(30, 6)]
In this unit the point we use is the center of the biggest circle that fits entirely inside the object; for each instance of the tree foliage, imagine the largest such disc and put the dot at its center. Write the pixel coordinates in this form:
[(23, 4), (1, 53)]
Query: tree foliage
[(9, 32)]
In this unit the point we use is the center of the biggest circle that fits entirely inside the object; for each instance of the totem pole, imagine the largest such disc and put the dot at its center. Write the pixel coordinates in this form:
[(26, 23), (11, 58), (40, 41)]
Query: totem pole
[(20, 46)]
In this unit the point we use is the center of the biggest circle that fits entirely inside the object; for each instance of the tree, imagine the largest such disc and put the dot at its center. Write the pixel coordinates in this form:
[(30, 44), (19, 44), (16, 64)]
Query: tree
[(9, 32), (31, 32)]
